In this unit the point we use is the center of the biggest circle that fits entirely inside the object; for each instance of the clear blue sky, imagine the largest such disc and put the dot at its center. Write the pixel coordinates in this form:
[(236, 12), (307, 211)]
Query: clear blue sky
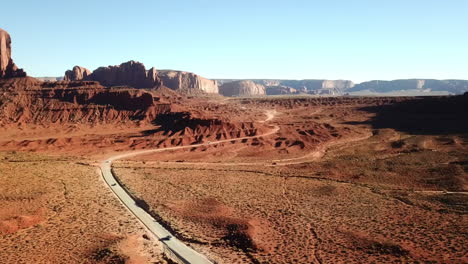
[(348, 39)]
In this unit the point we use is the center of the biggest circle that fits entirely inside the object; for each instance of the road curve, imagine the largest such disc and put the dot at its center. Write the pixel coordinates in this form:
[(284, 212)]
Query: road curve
[(174, 248)]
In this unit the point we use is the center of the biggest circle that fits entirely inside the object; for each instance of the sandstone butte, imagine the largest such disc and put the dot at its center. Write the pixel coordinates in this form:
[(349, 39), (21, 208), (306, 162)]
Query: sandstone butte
[(134, 74), (242, 88), (8, 68), (77, 74)]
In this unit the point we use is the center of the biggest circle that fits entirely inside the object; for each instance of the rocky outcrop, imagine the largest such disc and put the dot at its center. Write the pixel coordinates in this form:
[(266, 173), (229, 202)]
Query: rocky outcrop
[(451, 86), (179, 80), (50, 79), (278, 90), (135, 75), (77, 74), (320, 86), (8, 69), (242, 88), (303, 86), (130, 73), (81, 102)]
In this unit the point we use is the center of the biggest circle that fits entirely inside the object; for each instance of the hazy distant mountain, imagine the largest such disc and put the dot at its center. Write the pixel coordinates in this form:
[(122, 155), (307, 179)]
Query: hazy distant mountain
[(339, 87), (277, 86), (49, 79), (423, 85)]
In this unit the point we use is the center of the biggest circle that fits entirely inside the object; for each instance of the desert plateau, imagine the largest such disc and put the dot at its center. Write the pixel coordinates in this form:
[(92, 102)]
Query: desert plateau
[(133, 164)]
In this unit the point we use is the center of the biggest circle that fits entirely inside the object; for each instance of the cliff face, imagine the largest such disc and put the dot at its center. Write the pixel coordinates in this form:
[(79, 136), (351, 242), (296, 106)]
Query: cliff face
[(452, 86), (130, 73), (242, 88), (178, 80), (278, 90), (8, 68), (135, 75), (301, 86)]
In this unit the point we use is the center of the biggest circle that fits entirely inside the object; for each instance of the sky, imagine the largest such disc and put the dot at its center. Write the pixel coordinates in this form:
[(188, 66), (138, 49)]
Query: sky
[(356, 40)]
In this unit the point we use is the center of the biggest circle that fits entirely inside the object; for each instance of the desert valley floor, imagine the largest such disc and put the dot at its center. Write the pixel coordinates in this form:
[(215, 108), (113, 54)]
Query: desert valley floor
[(314, 179)]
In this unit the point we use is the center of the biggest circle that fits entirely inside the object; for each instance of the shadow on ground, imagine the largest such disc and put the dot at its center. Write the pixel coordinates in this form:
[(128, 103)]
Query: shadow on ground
[(171, 123), (422, 115)]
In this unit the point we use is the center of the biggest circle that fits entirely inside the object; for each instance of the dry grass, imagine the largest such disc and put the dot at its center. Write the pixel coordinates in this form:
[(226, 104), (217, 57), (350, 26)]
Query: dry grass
[(355, 205), (57, 210), (359, 203)]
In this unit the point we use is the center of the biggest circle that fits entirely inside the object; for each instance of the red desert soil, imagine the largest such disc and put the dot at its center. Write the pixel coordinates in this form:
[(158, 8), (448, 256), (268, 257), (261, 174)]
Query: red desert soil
[(58, 210), (341, 181), (376, 194)]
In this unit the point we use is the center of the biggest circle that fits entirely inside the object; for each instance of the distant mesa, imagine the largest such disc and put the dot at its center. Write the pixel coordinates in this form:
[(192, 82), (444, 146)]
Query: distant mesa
[(134, 74), (280, 90), (242, 88), (179, 80), (8, 68), (427, 85), (50, 79), (278, 86), (340, 87), (130, 73)]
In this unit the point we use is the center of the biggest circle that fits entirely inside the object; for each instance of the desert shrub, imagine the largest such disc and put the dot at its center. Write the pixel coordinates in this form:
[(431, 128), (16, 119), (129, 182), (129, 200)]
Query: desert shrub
[(325, 190)]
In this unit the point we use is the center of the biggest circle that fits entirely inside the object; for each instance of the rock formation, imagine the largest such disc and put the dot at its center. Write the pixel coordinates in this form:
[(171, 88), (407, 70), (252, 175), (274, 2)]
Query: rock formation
[(77, 74), (135, 75), (8, 69), (302, 86), (242, 88), (278, 90), (130, 73), (452, 86), (178, 80), (84, 102), (320, 86)]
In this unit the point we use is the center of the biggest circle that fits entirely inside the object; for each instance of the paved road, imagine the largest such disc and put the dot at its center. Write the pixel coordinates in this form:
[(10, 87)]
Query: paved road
[(173, 247)]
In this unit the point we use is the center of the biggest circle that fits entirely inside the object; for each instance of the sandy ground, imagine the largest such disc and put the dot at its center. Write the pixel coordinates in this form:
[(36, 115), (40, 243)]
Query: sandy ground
[(301, 218), (358, 200), (58, 210), (331, 186)]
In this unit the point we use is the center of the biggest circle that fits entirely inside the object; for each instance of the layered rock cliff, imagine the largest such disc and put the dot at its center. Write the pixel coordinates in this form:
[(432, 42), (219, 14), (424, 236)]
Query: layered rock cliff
[(277, 86), (135, 75), (8, 68), (179, 80), (242, 88), (278, 90), (130, 73)]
